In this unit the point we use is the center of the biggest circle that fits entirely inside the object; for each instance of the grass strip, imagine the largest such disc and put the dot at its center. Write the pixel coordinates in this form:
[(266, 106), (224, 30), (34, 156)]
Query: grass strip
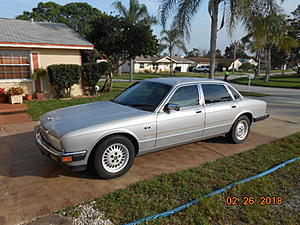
[(290, 81), (168, 191), (254, 94), (38, 108)]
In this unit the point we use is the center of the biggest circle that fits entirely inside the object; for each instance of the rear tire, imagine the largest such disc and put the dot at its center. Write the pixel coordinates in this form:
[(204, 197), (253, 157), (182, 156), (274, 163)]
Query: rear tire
[(114, 157), (239, 130)]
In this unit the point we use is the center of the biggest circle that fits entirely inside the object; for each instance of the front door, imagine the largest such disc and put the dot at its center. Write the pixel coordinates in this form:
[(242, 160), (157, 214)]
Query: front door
[(184, 125)]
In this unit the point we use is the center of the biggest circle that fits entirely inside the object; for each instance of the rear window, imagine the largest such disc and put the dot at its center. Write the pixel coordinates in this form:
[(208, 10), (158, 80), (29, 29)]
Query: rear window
[(214, 93)]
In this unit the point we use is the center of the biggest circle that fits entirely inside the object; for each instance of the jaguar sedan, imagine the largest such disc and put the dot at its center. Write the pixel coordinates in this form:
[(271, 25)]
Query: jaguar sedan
[(150, 115)]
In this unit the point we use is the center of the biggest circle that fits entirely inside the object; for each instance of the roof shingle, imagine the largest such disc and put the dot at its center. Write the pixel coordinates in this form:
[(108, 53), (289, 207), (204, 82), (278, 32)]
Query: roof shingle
[(24, 31)]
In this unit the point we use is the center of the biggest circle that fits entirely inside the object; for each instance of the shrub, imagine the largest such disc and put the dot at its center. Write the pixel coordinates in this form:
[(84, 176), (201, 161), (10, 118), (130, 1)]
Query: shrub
[(223, 64), (63, 77), (92, 73), (15, 91), (246, 66)]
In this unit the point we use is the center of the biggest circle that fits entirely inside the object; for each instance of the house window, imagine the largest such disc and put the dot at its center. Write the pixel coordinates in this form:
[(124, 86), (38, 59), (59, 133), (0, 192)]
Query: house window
[(14, 64), (142, 65), (155, 66)]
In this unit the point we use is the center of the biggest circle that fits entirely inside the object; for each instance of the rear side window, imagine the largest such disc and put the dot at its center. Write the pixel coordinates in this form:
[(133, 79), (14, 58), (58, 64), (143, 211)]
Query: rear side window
[(214, 93), (186, 96), (236, 95)]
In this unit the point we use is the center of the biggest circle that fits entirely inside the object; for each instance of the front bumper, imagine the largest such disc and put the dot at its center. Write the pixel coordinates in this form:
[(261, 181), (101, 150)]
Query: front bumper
[(58, 156), (260, 118)]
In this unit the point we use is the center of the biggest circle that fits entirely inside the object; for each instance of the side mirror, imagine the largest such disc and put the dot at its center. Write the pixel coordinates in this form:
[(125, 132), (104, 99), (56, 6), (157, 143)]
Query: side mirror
[(171, 106)]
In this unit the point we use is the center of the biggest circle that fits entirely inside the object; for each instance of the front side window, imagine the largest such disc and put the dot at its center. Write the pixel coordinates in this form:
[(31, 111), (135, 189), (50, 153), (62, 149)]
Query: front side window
[(14, 64), (235, 94), (214, 93), (186, 96), (143, 95)]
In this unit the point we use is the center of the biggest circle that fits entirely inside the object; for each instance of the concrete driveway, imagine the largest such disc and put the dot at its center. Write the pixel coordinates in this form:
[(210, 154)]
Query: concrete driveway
[(32, 186)]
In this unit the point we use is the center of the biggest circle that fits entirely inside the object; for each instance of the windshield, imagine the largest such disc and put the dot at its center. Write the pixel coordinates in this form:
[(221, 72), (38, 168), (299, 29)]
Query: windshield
[(143, 95)]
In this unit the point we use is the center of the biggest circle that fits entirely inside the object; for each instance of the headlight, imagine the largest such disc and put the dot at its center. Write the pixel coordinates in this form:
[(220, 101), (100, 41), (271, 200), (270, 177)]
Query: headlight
[(55, 142)]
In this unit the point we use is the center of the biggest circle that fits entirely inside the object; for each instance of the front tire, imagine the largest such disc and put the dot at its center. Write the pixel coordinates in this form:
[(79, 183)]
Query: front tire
[(114, 157), (239, 130)]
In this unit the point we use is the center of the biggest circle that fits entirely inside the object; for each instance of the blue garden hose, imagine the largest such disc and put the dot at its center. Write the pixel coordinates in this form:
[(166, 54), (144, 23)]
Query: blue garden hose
[(219, 191)]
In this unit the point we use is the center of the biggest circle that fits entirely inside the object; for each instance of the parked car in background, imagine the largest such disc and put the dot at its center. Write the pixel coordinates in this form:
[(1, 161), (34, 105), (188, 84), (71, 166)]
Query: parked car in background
[(150, 115), (201, 69)]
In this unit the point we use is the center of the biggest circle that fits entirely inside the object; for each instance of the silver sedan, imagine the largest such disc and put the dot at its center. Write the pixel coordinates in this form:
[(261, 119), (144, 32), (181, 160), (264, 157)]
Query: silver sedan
[(150, 115)]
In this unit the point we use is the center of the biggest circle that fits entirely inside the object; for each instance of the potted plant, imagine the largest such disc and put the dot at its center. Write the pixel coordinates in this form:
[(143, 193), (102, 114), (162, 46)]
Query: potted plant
[(15, 95), (29, 97), (40, 95), (2, 95), (37, 75)]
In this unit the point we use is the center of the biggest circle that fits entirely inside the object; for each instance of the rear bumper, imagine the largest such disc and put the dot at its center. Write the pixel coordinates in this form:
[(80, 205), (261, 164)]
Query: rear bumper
[(260, 118), (47, 150)]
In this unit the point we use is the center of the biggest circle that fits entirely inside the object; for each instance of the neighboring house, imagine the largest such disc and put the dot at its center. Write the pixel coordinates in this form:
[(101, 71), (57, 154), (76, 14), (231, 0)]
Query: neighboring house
[(239, 62), (27, 45), (201, 61), (158, 64)]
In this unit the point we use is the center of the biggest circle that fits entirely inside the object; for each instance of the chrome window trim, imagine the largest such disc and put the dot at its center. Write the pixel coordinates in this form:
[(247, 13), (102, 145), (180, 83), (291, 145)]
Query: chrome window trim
[(232, 98), (171, 93), (227, 86)]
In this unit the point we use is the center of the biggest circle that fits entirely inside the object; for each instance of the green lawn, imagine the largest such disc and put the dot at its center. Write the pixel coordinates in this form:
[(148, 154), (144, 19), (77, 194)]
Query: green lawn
[(38, 108), (289, 81), (142, 76), (168, 191), (254, 94)]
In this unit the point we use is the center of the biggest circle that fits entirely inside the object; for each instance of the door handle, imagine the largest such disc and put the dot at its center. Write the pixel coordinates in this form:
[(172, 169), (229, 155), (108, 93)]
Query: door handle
[(200, 111), (233, 106)]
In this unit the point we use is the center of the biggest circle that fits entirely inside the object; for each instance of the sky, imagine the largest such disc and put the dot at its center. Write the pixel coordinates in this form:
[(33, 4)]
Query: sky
[(200, 30)]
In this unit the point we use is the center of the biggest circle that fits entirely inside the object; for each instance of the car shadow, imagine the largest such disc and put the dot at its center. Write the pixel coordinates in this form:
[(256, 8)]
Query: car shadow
[(21, 157)]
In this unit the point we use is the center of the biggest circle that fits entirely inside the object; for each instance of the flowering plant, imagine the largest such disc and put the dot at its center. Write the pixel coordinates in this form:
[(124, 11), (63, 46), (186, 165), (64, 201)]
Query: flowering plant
[(2, 92), (15, 91)]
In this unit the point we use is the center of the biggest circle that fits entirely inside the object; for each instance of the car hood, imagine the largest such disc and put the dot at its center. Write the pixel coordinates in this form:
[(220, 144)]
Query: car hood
[(63, 121)]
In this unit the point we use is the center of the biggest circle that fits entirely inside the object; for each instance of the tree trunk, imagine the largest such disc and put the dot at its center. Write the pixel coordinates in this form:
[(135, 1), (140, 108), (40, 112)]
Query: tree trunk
[(171, 62), (213, 38), (108, 83), (119, 70), (268, 69), (259, 61), (282, 69)]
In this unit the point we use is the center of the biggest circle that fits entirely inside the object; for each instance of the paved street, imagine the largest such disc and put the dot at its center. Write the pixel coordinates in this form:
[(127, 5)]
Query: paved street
[(32, 185)]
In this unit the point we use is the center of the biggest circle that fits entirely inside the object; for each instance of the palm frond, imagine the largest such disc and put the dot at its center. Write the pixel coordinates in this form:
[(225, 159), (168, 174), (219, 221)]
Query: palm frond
[(185, 11), (120, 8)]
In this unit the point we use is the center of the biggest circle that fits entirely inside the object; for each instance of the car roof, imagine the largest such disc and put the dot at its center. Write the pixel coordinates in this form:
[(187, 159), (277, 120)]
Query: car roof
[(174, 81)]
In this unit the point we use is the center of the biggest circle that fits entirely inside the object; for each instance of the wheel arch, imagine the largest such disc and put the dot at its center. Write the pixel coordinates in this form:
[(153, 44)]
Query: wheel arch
[(245, 113), (128, 135)]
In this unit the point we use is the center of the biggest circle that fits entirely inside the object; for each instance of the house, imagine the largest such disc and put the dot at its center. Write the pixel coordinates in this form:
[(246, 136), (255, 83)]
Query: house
[(158, 64), (201, 61), (239, 62), (27, 45)]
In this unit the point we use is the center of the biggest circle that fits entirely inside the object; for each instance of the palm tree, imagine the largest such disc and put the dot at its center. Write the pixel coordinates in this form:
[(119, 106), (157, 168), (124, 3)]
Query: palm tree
[(136, 13), (267, 26), (171, 40), (234, 10)]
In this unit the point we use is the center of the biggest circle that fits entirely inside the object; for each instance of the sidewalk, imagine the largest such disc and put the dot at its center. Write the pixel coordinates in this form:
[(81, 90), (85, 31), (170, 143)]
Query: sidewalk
[(12, 114)]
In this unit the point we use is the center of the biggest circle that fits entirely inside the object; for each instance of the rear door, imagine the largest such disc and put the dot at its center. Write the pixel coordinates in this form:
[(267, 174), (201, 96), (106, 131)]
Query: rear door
[(220, 107)]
